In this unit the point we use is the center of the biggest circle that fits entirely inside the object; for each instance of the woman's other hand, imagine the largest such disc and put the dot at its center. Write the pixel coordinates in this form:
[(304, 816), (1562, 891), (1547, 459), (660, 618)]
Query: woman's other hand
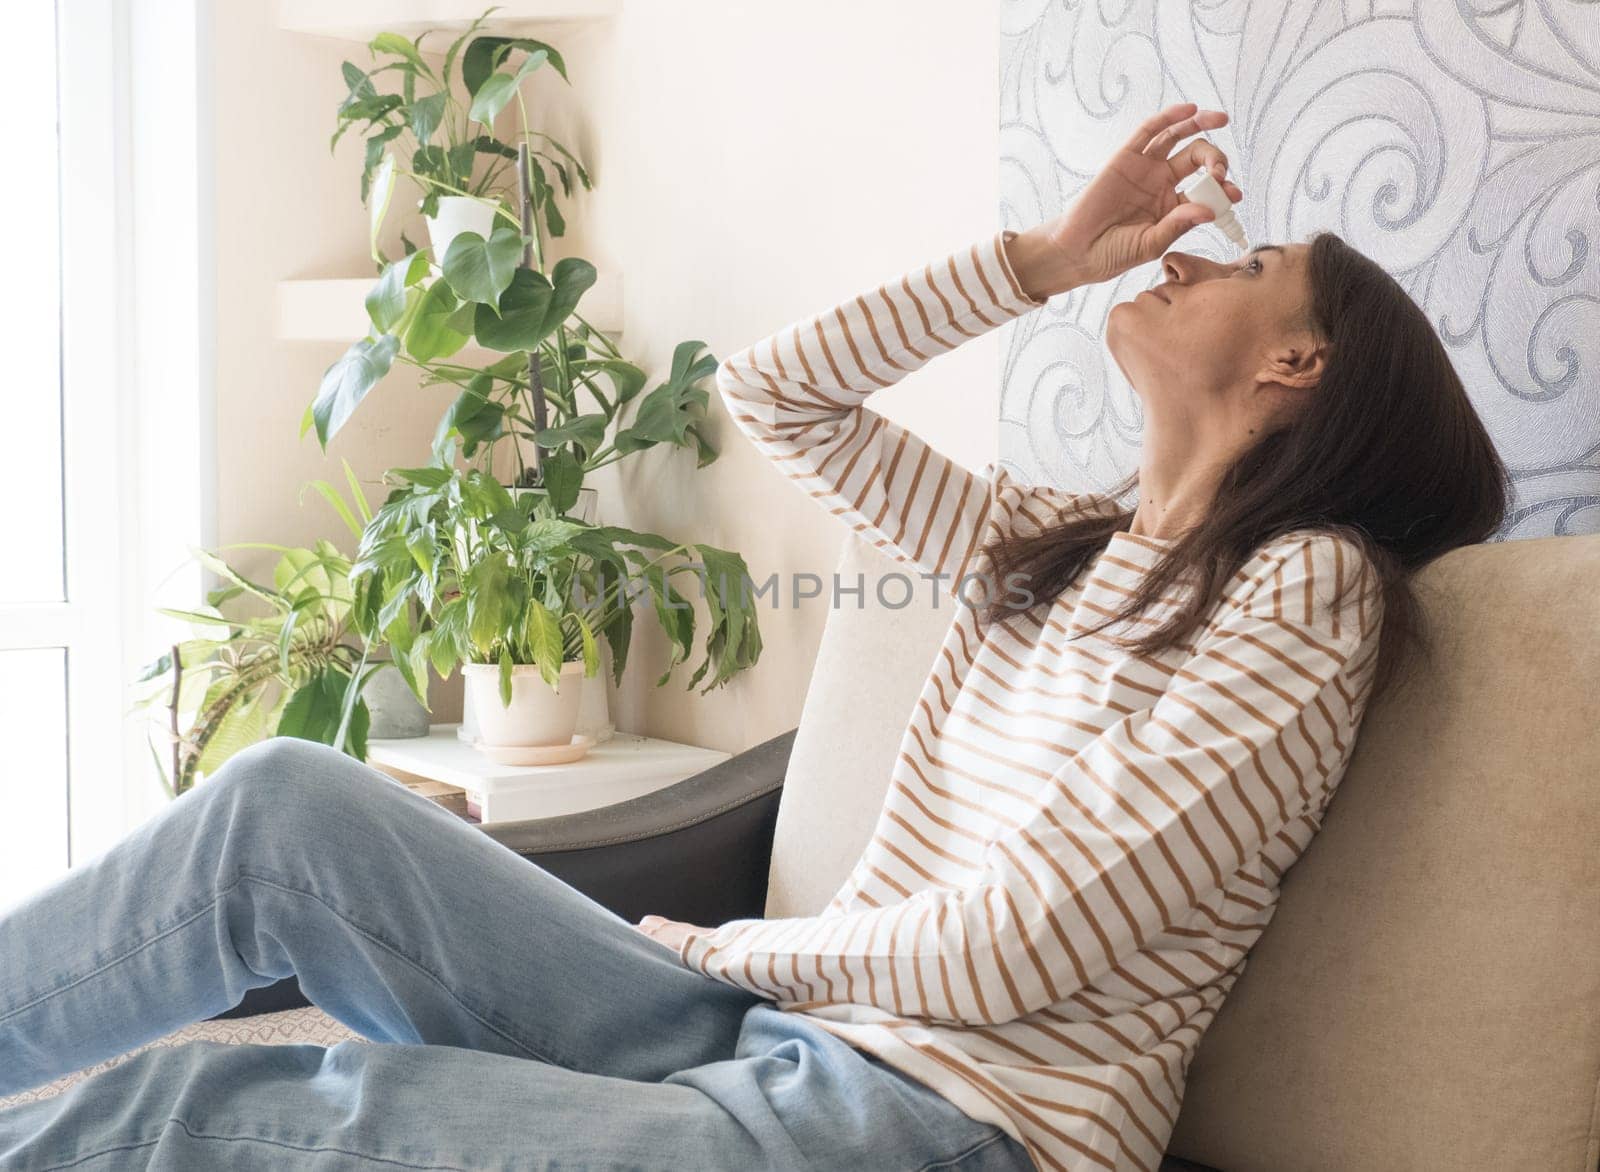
[(1129, 213), (668, 932)]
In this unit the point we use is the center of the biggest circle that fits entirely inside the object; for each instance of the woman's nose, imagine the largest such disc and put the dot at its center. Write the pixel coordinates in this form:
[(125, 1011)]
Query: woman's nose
[(1186, 268), (1177, 267)]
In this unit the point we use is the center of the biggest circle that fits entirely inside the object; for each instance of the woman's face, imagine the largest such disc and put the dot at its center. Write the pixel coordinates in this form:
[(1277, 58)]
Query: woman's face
[(1212, 333)]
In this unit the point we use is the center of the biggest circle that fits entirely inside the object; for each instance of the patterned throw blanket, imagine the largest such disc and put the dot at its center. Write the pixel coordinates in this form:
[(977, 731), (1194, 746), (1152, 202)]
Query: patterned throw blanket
[(306, 1024)]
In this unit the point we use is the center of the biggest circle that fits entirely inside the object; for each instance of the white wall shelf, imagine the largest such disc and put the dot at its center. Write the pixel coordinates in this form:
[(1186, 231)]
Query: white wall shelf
[(335, 310), (361, 20)]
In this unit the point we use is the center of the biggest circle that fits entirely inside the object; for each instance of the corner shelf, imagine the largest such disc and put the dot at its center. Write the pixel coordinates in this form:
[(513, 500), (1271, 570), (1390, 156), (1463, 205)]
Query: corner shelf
[(335, 310), (622, 767), (361, 20)]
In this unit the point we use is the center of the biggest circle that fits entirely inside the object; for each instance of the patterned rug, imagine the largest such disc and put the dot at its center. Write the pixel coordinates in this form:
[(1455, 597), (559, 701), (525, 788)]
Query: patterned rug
[(306, 1024)]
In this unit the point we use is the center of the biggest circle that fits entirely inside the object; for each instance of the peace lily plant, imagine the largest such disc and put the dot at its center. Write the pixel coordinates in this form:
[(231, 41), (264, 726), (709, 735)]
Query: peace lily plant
[(454, 568)]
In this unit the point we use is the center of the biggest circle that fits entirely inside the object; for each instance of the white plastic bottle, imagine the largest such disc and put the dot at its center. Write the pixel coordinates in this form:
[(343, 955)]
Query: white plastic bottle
[(1202, 187)]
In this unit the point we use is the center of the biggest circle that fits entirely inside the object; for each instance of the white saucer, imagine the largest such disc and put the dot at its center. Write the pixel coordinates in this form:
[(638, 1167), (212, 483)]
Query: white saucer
[(537, 754)]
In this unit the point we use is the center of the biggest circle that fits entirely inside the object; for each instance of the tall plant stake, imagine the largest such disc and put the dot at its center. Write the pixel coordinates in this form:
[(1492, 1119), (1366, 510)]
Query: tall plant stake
[(535, 380)]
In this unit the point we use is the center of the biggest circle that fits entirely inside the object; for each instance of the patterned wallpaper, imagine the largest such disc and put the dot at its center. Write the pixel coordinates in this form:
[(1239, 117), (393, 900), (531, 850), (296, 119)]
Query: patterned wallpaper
[(1457, 142)]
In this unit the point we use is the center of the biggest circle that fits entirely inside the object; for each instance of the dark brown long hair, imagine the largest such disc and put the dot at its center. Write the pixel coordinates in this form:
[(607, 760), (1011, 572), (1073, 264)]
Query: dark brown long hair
[(1389, 453)]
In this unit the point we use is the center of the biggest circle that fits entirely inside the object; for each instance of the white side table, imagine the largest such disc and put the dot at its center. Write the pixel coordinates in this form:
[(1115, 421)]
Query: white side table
[(623, 766)]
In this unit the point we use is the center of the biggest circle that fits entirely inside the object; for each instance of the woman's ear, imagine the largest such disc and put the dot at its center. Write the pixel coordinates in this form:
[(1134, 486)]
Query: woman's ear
[(1298, 363)]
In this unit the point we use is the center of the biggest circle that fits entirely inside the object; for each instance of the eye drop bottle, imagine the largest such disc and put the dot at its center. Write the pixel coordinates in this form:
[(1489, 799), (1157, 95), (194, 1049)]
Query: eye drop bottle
[(1202, 187)]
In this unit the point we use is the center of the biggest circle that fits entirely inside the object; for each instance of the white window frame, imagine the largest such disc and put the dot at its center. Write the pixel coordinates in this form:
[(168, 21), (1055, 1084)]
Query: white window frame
[(138, 288)]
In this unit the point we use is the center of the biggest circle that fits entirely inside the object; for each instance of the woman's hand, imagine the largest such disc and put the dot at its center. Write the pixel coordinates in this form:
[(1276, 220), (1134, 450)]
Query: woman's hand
[(1129, 212), (668, 932)]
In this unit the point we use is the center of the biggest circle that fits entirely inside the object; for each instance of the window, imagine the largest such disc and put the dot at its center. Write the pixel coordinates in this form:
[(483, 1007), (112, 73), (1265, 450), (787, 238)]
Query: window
[(107, 415), (37, 620)]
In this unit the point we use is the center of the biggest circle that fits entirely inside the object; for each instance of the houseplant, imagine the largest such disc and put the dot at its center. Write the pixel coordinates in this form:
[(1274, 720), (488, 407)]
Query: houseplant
[(546, 358), (550, 376), (439, 120), (454, 569), (297, 670)]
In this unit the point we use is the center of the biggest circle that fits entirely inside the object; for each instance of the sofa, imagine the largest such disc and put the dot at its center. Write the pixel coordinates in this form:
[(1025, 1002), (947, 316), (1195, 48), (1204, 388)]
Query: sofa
[(1427, 995)]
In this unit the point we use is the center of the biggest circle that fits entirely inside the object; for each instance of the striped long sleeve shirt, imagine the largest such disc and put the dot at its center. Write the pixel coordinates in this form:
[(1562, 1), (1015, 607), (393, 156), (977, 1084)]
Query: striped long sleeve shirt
[(1079, 845)]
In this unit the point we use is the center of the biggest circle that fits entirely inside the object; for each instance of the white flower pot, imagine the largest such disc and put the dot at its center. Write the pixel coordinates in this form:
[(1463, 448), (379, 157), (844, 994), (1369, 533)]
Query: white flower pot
[(458, 214), (537, 715), (594, 711)]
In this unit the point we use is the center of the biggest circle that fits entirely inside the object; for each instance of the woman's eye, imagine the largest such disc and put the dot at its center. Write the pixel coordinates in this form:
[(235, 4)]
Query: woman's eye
[(1254, 265)]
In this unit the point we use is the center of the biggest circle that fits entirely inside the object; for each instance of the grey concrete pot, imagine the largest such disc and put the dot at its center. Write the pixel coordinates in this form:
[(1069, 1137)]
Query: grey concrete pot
[(395, 711)]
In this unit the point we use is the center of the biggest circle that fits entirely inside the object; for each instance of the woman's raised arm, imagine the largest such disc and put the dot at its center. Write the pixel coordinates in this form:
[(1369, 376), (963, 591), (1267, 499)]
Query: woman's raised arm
[(798, 395)]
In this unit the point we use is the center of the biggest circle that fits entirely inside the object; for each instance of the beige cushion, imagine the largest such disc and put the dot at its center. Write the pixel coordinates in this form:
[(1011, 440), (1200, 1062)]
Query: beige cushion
[(870, 668), (1428, 993)]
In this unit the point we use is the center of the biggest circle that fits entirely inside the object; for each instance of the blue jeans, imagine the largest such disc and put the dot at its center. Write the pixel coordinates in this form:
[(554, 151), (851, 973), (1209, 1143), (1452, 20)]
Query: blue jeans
[(516, 1022)]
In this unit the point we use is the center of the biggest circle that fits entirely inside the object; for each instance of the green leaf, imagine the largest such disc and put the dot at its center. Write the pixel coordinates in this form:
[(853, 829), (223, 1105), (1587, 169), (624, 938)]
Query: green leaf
[(588, 431), (675, 615), (426, 114), (520, 322), (541, 630), (486, 589), (544, 198), (666, 413), (531, 308), (448, 646), (480, 270), (386, 303), (704, 452), (484, 55), (476, 417), (348, 380), (242, 725), (505, 676), (395, 44), (735, 640), (492, 97), (498, 89), (360, 85), (431, 336), (374, 155), (563, 477), (583, 176), (427, 476), (627, 378), (484, 145), (591, 652), (462, 157), (454, 50), (314, 710)]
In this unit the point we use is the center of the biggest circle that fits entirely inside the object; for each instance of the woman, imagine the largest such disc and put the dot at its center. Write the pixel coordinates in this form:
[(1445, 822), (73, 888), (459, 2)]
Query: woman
[(1082, 838)]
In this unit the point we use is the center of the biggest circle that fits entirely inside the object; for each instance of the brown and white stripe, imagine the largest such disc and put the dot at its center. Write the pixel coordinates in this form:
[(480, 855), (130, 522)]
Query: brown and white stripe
[(1078, 846)]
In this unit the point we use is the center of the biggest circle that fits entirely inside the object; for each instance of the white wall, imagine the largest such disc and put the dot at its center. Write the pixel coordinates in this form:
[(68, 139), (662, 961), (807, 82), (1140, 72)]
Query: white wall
[(752, 164), (287, 209)]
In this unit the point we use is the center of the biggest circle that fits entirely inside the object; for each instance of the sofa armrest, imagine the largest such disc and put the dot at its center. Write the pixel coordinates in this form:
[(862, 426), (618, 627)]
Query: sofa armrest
[(696, 851)]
